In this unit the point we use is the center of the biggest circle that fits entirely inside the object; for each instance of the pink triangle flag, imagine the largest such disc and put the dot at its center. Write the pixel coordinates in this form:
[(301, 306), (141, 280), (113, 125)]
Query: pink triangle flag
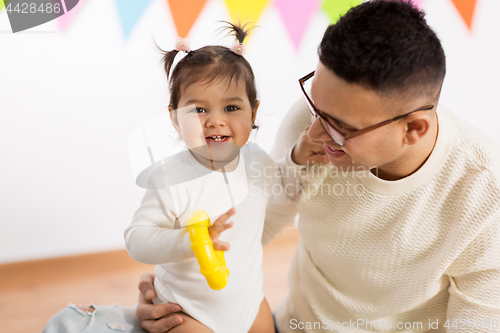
[(296, 15), (65, 20), (416, 3)]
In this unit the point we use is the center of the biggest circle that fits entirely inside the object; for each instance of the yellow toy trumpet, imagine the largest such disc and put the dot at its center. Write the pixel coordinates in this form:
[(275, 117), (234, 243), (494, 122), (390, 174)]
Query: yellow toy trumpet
[(212, 263)]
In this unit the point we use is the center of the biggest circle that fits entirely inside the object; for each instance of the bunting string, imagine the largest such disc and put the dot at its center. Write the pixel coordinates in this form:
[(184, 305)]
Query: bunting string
[(295, 14)]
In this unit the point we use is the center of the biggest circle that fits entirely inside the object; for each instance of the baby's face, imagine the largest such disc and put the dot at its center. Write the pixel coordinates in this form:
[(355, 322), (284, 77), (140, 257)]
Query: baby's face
[(221, 116)]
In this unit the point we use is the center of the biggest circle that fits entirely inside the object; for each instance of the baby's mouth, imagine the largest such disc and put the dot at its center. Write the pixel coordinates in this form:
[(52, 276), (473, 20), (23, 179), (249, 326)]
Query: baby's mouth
[(216, 138)]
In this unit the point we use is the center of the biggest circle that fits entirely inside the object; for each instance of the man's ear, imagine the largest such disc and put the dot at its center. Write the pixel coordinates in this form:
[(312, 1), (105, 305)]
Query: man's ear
[(254, 111), (417, 127), (173, 118)]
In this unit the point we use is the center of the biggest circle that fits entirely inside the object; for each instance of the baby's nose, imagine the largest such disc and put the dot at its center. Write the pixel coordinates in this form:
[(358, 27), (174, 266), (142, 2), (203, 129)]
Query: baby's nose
[(216, 119)]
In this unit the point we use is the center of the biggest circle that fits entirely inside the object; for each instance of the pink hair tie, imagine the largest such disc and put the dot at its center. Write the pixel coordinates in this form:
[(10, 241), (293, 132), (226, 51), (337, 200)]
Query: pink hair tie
[(182, 45), (238, 48)]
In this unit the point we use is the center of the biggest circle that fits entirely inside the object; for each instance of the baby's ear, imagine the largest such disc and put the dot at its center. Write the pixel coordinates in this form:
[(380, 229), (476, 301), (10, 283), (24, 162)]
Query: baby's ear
[(254, 111)]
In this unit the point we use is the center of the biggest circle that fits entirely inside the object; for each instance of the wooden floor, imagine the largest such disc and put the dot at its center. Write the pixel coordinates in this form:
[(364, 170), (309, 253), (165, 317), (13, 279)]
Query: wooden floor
[(31, 292)]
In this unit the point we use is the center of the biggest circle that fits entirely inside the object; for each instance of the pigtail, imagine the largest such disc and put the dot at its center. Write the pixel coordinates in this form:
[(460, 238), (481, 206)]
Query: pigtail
[(168, 60), (239, 32)]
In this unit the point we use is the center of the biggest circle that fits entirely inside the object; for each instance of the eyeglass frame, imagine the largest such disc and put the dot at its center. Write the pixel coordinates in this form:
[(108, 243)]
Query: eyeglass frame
[(318, 114)]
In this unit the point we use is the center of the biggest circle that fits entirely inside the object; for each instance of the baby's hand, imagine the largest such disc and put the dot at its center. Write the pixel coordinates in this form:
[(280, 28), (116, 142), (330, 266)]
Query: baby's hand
[(307, 151), (218, 227)]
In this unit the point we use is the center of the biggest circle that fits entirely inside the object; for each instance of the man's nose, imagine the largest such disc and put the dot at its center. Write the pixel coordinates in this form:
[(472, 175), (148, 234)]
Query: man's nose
[(317, 132)]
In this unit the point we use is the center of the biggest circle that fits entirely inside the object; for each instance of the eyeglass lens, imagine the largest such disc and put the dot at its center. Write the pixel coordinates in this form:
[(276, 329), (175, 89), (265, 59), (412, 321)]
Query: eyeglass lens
[(332, 132)]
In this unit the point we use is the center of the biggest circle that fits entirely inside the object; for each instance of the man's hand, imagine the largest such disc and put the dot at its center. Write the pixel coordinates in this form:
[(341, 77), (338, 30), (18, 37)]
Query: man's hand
[(218, 227), (155, 318), (307, 151)]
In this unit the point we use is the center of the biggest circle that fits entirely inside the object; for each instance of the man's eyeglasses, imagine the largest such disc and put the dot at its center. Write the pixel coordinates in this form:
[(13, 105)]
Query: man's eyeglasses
[(334, 129)]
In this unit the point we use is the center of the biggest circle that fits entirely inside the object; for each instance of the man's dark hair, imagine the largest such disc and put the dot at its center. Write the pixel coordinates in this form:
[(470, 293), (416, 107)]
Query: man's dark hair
[(384, 45)]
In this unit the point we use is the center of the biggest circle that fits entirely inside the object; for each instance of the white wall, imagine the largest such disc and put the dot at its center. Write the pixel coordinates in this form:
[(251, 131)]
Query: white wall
[(68, 102)]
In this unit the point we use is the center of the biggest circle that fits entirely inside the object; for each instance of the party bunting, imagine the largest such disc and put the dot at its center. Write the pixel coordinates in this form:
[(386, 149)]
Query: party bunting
[(296, 15), (416, 3), (466, 9), (2, 4), (336, 8), (130, 11), (246, 11), (72, 9), (185, 13)]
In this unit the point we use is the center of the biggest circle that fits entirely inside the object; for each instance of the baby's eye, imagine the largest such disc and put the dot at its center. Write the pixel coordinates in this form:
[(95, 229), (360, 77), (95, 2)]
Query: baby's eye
[(200, 110), (231, 108)]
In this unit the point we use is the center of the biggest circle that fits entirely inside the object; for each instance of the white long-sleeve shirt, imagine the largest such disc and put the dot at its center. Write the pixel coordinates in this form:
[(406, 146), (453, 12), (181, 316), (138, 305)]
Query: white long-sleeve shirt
[(183, 186), (410, 255)]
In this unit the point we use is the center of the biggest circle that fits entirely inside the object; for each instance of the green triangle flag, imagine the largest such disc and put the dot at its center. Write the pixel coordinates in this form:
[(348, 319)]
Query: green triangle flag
[(336, 8), (1, 5)]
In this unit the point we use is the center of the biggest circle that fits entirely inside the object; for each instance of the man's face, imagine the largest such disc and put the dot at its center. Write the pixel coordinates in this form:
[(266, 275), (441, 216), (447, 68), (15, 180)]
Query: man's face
[(356, 107)]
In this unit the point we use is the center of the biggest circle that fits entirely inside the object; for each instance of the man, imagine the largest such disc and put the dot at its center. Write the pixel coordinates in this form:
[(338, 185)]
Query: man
[(401, 229)]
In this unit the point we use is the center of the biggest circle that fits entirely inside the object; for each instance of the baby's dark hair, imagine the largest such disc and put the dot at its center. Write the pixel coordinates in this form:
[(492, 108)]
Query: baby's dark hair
[(209, 63), (384, 45)]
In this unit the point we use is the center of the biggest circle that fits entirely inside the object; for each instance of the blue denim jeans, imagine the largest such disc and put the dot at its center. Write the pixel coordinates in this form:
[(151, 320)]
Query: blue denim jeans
[(104, 319)]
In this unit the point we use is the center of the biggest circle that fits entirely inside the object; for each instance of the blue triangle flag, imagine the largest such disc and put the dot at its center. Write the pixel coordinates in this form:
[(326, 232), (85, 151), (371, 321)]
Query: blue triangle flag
[(130, 12)]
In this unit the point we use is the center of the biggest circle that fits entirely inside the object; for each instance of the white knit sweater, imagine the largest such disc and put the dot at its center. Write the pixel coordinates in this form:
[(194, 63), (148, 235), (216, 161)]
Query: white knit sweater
[(417, 253)]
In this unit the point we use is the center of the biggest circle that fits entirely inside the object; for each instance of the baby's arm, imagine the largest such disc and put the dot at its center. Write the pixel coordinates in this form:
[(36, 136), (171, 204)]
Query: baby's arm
[(151, 237)]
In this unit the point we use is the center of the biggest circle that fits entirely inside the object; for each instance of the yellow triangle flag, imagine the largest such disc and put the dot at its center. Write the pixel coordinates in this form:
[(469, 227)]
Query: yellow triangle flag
[(466, 10), (246, 11)]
